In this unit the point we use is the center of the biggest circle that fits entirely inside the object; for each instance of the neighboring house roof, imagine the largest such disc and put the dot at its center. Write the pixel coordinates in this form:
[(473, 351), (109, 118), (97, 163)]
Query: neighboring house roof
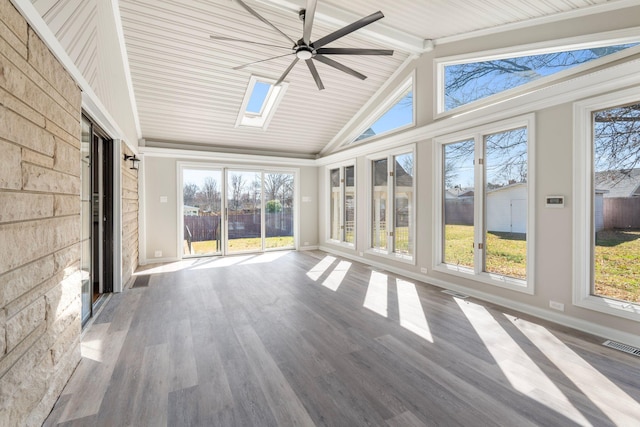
[(618, 183), (403, 179), (190, 208), (457, 193), (508, 187)]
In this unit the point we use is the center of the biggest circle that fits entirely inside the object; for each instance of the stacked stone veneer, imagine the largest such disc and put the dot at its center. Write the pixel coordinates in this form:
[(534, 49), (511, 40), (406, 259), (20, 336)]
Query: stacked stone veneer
[(39, 224), (129, 218)]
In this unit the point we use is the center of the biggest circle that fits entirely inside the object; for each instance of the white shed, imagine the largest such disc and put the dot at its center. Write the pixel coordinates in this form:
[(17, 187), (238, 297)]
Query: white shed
[(598, 209), (507, 209)]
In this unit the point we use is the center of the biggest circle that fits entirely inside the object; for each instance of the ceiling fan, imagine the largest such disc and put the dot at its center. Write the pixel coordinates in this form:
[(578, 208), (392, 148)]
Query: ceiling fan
[(307, 50)]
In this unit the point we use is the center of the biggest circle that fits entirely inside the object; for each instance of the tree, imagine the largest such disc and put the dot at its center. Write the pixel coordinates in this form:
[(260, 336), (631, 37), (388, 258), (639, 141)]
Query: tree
[(617, 138), (189, 193), (273, 206), (237, 187), (211, 194), (468, 82)]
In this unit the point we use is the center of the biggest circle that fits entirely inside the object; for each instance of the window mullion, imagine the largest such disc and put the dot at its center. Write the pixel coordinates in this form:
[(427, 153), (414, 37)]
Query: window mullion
[(479, 198), (391, 205)]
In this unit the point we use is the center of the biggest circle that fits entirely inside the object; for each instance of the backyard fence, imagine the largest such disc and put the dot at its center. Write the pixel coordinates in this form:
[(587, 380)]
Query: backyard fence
[(621, 212), (458, 211), (205, 228)]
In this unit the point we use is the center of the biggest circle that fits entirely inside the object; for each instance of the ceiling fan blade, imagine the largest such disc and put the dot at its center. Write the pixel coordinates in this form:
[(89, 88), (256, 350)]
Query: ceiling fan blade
[(339, 66), (260, 17), (352, 51), (314, 73), (309, 14), (289, 68), (240, 67), (348, 29), (231, 39)]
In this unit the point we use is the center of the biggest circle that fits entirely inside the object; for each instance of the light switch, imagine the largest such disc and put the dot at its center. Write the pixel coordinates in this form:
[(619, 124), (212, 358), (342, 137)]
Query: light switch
[(163, 199)]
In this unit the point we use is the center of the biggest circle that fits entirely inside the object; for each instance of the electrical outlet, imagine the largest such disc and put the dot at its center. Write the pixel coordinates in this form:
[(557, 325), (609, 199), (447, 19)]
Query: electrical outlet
[(423, 270), (361, 253), (158, 254), (556, 305), (306, 243)]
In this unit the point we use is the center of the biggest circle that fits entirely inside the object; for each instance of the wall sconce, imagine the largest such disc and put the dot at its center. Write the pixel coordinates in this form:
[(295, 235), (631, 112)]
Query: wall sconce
[(134, 161)]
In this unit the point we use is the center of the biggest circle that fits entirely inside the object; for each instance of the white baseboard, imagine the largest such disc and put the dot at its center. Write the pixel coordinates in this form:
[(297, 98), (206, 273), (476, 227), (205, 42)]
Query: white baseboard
[(309, 248), (552, 316), (157, 260)]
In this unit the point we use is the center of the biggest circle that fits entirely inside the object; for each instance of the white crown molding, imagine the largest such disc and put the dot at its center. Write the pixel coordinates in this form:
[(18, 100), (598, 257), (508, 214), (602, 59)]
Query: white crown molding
[(175, 153)]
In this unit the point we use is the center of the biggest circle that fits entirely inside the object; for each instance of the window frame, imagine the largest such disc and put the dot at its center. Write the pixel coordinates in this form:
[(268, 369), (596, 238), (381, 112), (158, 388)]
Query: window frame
[(327, 179), (609, 38), (476, 273), (390, 155), (269, 106), (583, 213), (381, 109)]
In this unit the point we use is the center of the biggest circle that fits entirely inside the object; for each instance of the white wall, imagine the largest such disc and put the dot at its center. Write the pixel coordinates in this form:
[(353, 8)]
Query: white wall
[(553, 175), (160, 221)]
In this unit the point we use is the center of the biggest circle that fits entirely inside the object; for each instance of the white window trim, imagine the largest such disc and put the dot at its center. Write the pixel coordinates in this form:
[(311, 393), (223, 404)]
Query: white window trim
[(408, 259), (327, 179), (181, 165), (609, 38), (476, 273), (582, 212), (269, 106), (381, 109)]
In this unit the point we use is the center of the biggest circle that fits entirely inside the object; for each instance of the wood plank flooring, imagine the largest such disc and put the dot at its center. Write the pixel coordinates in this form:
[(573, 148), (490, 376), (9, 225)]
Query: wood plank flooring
[(304, 338)]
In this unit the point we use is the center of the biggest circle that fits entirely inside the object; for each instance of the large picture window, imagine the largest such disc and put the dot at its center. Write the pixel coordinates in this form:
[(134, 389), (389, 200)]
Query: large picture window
[(342, 204), (392, 195), (608, 192), (485, 216)]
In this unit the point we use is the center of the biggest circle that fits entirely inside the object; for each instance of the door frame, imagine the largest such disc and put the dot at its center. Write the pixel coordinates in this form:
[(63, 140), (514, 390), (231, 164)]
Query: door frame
[(260, 168)]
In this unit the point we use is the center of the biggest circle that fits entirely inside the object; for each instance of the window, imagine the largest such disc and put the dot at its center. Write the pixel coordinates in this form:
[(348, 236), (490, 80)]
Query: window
[(485, 213), (342, 204), (392, 204), (395, 113), (465, 81), (260, 102), (607, 193)]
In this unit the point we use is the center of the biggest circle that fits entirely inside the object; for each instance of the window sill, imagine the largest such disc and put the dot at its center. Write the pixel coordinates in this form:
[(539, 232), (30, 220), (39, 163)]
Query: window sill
[(392, 256), (510, 283), (612, 307), (340, 244)]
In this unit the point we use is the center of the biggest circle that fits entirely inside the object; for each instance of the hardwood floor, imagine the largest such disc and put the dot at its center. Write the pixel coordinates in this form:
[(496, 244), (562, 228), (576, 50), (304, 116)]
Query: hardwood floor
[(304, 338)]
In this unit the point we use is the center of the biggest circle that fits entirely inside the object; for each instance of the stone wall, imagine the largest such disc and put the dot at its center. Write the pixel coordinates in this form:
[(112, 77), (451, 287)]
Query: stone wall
[(129, 218), (39, 224)]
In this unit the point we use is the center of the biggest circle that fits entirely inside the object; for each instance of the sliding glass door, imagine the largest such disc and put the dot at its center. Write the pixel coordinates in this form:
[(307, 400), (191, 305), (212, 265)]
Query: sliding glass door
[(229, 211), (202, 207)]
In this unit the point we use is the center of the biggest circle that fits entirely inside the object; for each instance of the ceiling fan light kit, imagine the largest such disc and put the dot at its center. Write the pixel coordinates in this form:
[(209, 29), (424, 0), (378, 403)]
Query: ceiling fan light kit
[(308, 51)]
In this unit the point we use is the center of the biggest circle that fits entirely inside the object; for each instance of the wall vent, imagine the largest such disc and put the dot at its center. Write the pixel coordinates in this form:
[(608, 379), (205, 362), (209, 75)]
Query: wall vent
[(455, 294), (622, 347)]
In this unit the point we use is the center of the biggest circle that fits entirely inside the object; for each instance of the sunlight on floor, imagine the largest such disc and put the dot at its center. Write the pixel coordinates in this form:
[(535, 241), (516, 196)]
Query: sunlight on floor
[(319, 269), (222, 262), (93, 350), (522, 373), (335, 278), (376, 297), (266, 257), (411, 313), (606, 396)]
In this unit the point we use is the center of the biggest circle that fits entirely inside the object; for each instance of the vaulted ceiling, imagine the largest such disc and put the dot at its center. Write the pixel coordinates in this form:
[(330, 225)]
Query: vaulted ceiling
[(187, 90)]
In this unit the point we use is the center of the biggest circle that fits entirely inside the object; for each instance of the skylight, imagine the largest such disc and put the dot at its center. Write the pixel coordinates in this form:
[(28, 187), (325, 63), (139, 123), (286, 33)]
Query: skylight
[(260, 101)]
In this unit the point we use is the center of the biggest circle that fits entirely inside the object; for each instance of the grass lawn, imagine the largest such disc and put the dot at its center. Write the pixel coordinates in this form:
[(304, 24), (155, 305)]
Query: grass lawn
[(237, 245), (617, 264), (617, 258), (506, 252)]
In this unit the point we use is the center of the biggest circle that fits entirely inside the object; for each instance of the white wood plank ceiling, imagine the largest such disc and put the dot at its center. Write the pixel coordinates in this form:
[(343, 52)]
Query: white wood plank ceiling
[(187, 91)]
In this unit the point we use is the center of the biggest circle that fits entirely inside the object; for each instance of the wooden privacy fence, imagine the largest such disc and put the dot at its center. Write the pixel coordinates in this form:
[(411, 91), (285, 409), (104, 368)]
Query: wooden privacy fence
[(621, 212), (458, 211), (204, 228)]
